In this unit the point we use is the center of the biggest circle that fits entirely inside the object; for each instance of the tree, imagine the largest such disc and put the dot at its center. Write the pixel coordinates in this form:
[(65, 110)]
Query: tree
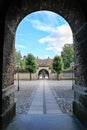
[(67, 55), (17, 59), (23, 63), (57, 65), (31, 64)]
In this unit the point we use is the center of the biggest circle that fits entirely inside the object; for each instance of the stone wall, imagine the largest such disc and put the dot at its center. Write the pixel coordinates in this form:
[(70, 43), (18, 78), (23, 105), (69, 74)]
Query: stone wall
[(80, 88), (52, 76), (8, 107), (25, 76)]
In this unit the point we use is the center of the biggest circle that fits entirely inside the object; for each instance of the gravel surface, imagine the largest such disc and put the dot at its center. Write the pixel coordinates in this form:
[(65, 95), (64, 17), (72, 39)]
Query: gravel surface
[(64, 95)]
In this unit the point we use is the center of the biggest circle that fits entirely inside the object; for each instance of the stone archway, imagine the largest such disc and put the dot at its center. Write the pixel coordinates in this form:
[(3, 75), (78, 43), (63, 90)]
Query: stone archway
[(74, 15), (43, 74)]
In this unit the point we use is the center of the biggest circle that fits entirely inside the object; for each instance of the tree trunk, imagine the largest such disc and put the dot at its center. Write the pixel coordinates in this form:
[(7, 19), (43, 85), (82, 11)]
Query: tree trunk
[(30, 76), (58, 77)]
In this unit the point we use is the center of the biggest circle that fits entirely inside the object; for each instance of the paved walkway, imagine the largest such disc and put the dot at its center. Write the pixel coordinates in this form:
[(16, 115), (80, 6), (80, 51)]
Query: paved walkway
[(44, 101), (44, 114)]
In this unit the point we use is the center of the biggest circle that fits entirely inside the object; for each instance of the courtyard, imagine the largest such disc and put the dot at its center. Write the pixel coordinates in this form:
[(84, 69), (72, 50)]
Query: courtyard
[(44, 105), (61, 90)]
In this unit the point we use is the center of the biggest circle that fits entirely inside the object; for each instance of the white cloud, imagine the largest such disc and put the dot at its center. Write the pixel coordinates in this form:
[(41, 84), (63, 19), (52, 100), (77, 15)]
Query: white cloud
[(44, 21), (58, 34), (21, 46), (49, 48), (41, 26), (58, 38)]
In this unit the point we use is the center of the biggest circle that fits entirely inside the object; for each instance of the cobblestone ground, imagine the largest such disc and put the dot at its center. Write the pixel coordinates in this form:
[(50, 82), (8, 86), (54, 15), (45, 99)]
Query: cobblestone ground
[(63, 94), (24, 96)]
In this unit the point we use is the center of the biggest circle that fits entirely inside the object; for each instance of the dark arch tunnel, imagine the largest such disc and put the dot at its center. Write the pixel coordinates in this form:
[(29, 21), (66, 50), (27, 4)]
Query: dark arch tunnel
[(11, 13), (43, 74)]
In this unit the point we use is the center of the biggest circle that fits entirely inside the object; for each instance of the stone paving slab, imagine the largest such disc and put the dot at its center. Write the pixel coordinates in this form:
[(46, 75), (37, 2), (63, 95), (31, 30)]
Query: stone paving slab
[(51, 104), (40, 121), (44, 101), (45, 122), (37, 103)]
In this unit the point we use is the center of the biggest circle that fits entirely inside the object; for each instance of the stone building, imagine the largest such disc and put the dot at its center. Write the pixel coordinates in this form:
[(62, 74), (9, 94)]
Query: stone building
[(44, 71), (44, 68)]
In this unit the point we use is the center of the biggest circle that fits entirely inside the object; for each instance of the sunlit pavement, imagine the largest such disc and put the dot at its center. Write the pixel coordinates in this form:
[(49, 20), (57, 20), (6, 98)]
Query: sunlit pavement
[(44, 113), (44, 101)]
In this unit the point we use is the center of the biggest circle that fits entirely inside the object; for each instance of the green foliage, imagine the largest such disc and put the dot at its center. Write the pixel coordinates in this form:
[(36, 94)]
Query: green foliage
[(67, 55), (23, 63), (31, 64), (58, 65), (17, 58), (68, 69)]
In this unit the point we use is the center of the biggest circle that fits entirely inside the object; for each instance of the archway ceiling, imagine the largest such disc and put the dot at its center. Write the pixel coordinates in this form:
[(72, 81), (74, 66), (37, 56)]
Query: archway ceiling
[(4, 4)]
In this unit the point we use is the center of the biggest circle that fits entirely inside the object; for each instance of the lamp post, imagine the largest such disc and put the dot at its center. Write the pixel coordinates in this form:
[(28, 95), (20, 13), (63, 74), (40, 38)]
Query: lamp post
[(72, 65), (18, 65)]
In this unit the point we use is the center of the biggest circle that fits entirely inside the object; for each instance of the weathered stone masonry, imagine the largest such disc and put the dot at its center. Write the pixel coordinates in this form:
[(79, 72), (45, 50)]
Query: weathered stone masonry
[(80, 89), (11, 13)]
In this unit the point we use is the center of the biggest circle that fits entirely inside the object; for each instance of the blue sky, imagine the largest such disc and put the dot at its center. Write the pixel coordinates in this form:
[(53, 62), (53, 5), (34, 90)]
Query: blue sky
[(43, 34)]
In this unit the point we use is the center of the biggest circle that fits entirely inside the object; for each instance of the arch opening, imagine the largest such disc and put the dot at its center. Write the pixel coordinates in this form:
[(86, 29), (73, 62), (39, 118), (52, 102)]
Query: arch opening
[(44, 65), (43, 74)]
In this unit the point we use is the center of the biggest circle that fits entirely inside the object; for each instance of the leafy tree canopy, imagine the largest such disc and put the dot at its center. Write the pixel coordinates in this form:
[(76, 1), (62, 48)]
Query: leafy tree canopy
[(17, 59), (58, 65), (67, 55), (31, 64)]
